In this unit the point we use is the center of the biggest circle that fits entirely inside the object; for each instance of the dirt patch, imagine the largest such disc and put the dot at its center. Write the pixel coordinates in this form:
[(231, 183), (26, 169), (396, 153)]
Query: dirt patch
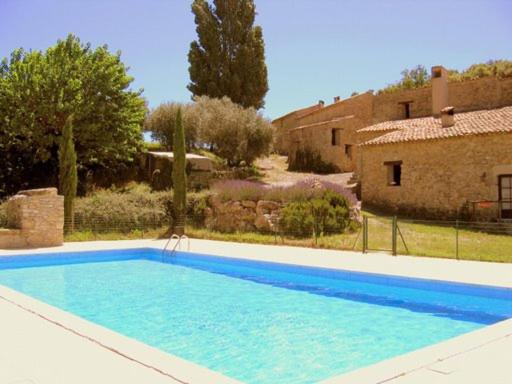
[(274, 170)]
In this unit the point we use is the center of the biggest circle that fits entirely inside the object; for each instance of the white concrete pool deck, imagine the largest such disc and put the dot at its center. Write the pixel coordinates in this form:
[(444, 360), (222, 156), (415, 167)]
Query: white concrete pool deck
[(40, 344)]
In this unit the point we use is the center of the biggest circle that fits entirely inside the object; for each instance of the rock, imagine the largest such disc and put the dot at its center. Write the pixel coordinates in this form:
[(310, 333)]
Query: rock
[(246, 215), (355, 213), (262, 223), (266, 207), (249, 204)]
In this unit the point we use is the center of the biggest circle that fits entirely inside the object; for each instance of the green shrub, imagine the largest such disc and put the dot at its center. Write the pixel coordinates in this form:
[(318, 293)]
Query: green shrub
[(306, 160), (297, 220), (153, 146), (248, 172), (197, 205), (326, 214), (131, 207)]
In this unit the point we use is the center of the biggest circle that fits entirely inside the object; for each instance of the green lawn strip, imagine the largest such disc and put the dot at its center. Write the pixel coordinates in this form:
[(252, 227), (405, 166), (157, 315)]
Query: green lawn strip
[(421, 240)]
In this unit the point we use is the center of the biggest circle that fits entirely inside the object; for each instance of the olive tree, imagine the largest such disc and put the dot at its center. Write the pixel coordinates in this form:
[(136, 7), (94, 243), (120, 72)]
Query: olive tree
[(161, 122), (236, 134), (232, 132)]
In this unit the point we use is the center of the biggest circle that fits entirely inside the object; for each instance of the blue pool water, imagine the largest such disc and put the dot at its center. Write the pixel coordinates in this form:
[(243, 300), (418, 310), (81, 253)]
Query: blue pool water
[(256, 322)]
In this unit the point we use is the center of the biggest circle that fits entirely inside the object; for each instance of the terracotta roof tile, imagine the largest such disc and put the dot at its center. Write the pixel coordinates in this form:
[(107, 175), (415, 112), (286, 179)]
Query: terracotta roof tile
[(429, 128)]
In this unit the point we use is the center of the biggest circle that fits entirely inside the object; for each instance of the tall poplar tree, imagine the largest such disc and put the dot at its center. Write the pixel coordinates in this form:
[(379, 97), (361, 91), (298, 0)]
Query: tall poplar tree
[(179, 176), (67, 172), (228, 57)]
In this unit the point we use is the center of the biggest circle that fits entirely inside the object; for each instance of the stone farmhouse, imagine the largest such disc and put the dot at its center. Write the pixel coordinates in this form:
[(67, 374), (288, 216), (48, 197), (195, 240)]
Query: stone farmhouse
[(440, 151)]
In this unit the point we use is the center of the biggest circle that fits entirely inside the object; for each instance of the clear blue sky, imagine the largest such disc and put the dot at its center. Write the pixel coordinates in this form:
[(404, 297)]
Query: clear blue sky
[(315, 49)]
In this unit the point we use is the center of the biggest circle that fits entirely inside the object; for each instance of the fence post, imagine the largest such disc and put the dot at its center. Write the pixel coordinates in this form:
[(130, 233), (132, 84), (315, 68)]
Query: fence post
[(365, 234), (394, 236), (457, 239)]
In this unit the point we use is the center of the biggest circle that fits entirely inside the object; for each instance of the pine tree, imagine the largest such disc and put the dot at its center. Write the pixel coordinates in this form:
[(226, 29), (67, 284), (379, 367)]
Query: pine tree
[(179, 176), (228, 58), (67, 172)]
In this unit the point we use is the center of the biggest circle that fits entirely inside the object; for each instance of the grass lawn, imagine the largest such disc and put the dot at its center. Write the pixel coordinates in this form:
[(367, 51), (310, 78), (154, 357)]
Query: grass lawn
[(421, 239)]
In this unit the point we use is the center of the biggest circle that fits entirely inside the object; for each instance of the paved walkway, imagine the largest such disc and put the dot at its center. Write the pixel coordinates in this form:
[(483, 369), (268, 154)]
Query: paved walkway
[(41, 344), (37, 351)]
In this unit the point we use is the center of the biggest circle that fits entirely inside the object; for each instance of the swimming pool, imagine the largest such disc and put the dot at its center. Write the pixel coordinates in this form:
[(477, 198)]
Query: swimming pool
[(254, 321)]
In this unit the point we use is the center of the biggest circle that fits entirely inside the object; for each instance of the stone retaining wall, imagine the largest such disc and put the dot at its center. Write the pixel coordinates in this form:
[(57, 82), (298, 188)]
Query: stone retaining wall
[(246, 215), (35, 218)]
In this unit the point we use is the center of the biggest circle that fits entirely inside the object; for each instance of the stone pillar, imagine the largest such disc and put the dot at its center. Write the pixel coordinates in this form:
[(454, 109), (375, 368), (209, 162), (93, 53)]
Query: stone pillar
[(35, 219)]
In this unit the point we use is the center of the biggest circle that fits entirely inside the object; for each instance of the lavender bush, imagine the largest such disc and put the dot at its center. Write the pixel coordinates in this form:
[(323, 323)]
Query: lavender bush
[(237, 190), (234, 190)]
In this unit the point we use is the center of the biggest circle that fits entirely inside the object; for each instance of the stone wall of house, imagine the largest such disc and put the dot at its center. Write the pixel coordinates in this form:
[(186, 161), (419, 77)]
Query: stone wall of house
[(283, 124), (35, 218), (505, 92), (316, 134), (320, 139), (281, 137), (360, 105), (390, 106), (484, 93), (439, 177), (469, 95)]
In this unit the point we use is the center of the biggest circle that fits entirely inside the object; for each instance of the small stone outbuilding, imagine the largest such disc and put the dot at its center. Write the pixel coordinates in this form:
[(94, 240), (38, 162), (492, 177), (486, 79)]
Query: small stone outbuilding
[(157, 168), (35, 218)]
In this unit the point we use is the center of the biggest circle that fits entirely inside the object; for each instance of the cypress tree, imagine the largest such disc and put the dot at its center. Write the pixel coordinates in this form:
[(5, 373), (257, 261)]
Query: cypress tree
[(228, 57), (179, 176), (67, 172)]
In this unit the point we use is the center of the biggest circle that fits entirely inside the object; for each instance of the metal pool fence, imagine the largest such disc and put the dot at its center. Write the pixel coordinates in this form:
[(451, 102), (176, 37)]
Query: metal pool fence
[(458, 239), (491, 241)]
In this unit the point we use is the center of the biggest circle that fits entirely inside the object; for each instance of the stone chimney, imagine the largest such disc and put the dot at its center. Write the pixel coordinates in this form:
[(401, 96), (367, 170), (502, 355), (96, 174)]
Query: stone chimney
[(439, 90), (336, 99), (447, 117), (321, 103)]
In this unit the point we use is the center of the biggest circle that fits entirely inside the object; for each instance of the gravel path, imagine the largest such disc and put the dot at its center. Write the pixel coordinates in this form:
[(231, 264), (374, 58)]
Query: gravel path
[(274, 170)]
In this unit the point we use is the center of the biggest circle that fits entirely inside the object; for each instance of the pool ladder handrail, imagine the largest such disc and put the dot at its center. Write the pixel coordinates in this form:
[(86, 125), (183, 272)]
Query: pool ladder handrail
[(178, 243)]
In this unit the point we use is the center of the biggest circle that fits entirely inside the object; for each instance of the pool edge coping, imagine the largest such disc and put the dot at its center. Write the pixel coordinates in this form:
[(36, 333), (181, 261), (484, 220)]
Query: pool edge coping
[(401, 365), (177, 369), (419, 267)]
